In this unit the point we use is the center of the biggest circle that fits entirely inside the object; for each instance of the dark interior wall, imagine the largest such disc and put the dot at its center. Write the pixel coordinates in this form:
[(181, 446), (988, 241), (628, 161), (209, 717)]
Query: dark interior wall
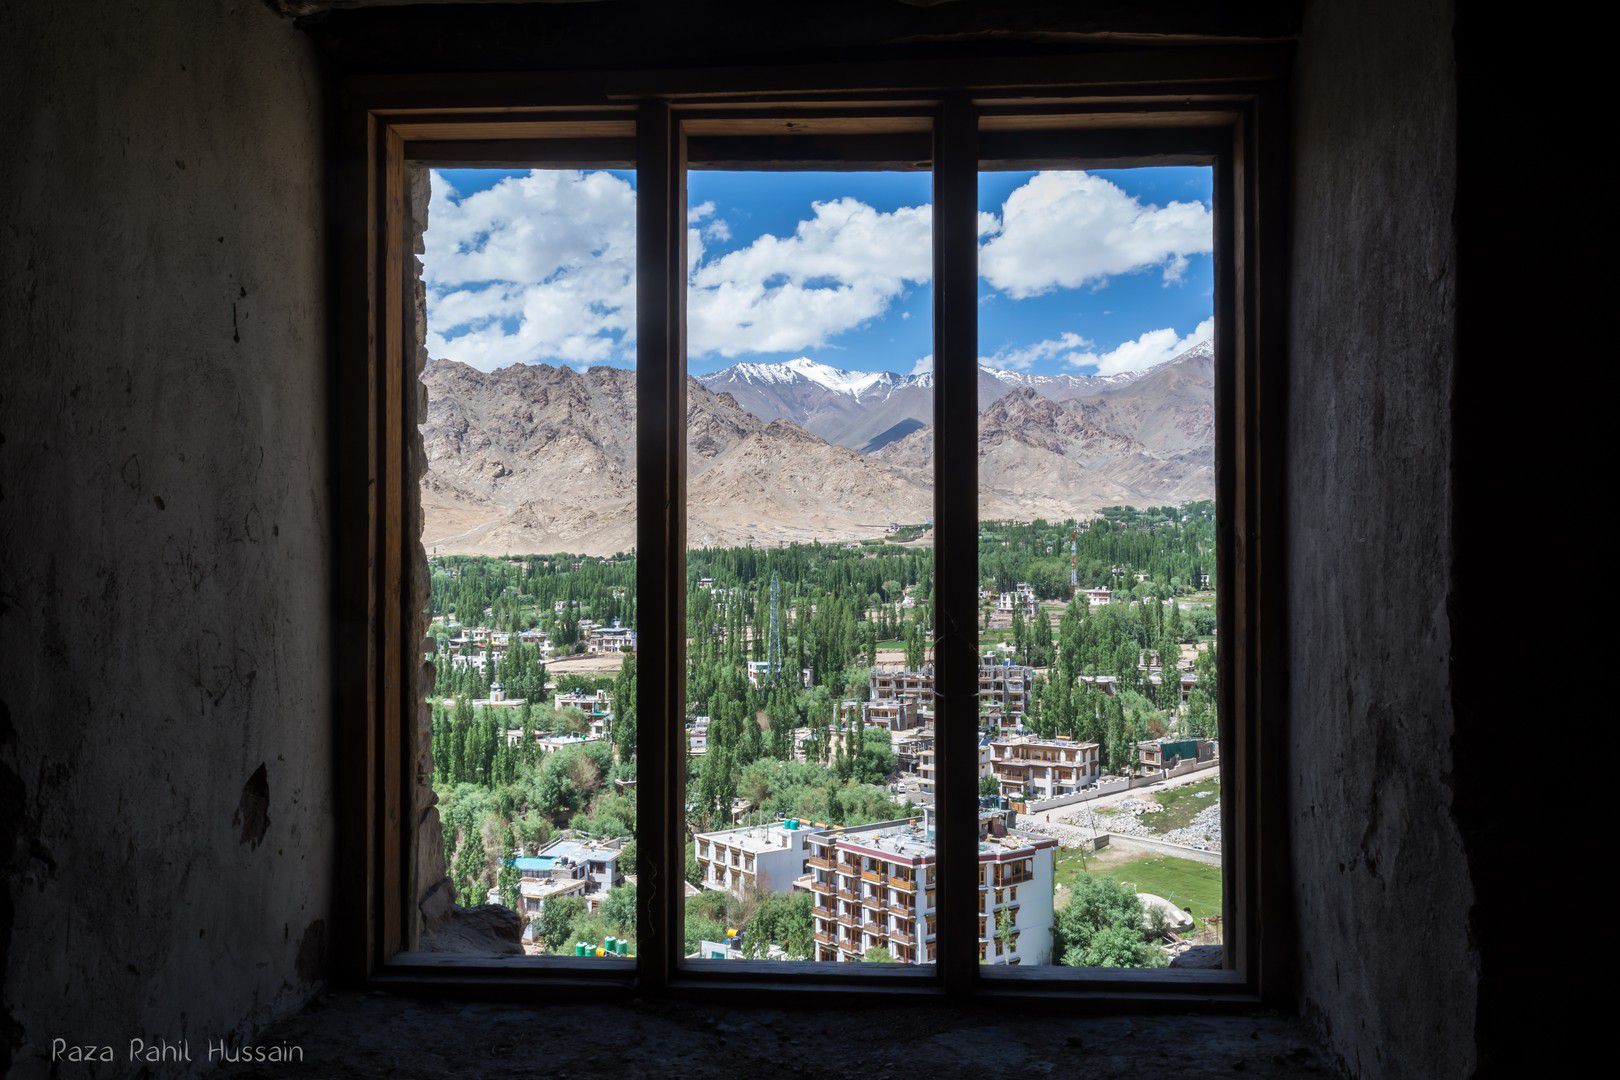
[(1381, 878), (164, 564)]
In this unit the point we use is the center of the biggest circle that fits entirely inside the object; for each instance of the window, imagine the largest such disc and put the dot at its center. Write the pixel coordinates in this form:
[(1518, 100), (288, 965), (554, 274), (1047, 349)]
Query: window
[(915, 900), (809, 566), (528, 521), (1097, 562)]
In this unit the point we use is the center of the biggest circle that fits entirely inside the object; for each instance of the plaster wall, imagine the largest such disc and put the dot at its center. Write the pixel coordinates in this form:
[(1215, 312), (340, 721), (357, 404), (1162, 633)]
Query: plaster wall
[(1381, 879), (165, 718)]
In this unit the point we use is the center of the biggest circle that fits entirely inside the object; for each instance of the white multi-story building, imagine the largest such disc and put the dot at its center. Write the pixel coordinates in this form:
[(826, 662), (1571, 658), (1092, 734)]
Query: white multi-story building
[(875, 888), (758, 859)]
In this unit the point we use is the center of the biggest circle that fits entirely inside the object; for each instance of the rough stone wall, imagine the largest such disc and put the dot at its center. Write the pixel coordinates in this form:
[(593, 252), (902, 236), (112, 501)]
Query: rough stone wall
[(1382, 887), (165, 715)]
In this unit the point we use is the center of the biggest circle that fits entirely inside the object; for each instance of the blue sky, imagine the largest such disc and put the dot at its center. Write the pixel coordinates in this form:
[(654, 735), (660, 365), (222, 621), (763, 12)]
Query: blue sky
[(1080, 272)]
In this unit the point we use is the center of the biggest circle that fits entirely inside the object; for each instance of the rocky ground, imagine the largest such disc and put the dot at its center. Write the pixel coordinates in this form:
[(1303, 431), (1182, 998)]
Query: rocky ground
[(1134, 817)]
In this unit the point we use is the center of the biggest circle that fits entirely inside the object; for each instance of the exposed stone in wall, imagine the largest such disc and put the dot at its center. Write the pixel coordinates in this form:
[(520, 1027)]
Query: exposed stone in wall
[(441, 925), (165, 589), (1382, 890), (432, 886)]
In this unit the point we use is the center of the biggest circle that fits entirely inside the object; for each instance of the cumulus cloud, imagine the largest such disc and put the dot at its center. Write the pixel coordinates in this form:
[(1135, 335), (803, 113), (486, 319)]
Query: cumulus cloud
[(1065, 347), (537, 268), (1150, 350), (842, 267), (924, 365), (1069, 229), (541, 268)]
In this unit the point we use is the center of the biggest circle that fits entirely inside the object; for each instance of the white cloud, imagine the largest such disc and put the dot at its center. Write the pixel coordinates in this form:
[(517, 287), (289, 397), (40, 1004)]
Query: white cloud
[(1068, 229), (1065, 346), (713, 228), (842, 267), (537, 268), (924, 365), (1150, 350)]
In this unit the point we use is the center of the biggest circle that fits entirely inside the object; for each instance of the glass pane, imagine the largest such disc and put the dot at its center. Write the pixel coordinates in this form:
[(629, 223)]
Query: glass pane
[(810, 568), (1099, 799), (528, 508)]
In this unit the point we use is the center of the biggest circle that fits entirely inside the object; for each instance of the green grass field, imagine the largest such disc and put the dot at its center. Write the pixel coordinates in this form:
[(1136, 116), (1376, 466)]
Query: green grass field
[(1187, 884)]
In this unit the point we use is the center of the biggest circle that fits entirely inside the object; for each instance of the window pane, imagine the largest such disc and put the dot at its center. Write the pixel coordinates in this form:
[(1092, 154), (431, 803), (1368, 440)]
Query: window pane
[(810, 568), (1099, 795), (528, 518)]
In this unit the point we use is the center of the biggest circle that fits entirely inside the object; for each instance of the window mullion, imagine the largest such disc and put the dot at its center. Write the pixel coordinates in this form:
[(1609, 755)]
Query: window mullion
[(956, 493), (660, 536)]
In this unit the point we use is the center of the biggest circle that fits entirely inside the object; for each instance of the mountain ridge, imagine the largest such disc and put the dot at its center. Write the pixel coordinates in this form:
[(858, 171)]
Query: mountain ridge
[(536, 458)]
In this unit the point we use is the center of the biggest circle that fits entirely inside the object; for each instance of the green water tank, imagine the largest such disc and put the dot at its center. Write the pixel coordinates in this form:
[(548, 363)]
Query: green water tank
[(792, 823), (579, 948)]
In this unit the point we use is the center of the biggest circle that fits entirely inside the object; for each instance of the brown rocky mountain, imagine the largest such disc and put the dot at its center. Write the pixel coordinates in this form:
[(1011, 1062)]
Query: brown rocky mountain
[(1148, 442), (535, 458)]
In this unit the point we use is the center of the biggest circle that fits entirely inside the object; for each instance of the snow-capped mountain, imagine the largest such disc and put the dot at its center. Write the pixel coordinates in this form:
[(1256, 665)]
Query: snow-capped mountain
[(866, 410)]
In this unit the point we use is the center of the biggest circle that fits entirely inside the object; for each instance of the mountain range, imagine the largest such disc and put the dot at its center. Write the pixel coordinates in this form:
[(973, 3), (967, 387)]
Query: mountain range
[(536, 458), (866, 410)]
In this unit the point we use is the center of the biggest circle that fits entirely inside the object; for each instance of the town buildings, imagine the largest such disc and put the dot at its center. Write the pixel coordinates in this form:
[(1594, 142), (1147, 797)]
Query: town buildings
[(874, 888), (902, 699), (597, 706), (569, 866), (758, 859), (1030, 768), (1004, 693)]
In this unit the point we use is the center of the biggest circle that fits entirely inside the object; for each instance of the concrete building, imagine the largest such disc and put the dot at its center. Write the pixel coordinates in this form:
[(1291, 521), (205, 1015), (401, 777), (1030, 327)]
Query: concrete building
[(1004, 692), (569, 866), (874, 888), (762, 859), (697, 736), (902, 684), (608, 640), (1029, 768), (1167, 753)]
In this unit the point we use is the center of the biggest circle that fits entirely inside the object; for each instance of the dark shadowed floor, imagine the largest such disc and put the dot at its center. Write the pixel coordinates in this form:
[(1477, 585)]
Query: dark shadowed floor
[(375, 1035)]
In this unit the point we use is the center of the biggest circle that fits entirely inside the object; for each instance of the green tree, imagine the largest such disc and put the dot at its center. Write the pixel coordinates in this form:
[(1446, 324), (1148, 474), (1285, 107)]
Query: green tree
[(619, 910), (557, 918), (472, 863), (507, 878), (1102, 926)]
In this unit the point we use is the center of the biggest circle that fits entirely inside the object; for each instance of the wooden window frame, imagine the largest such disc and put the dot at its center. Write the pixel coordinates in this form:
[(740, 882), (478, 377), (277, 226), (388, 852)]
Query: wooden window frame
[(1220, 106)]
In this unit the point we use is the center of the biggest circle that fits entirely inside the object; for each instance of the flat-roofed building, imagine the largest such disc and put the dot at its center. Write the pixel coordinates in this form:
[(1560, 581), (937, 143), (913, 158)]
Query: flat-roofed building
[(891, 714), (568, 866), (874, 887), (762, 859), (1030, 768), (903, 684), (608, 640)]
